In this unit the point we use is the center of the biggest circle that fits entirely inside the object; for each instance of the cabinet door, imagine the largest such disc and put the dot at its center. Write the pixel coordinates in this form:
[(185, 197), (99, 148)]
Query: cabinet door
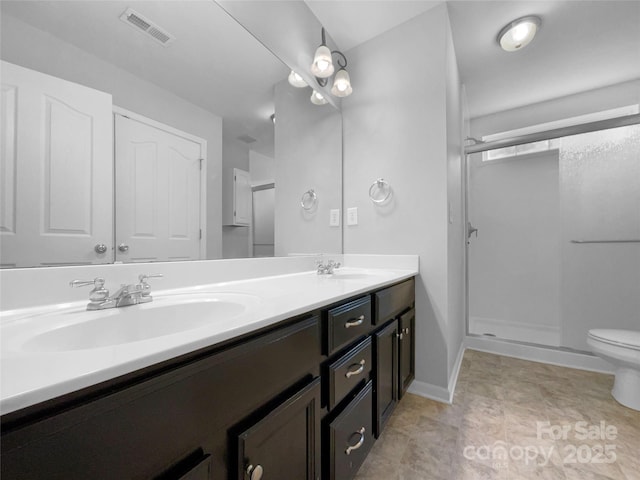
[(406, 347), (286, 442), (386, 376)]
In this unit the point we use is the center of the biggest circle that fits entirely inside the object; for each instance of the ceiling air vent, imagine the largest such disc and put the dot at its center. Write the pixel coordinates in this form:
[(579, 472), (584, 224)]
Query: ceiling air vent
[(143, 24)]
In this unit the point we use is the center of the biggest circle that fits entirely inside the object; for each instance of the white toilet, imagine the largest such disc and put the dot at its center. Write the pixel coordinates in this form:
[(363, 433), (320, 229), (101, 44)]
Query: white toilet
[(622, 349)]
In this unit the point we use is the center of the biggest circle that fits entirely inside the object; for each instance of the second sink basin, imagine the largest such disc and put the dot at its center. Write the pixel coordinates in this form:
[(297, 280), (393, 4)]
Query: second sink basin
[(165, 315)]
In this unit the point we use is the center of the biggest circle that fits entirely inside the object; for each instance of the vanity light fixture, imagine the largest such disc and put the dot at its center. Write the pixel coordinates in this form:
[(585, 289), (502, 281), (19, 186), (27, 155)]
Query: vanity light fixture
[(519, 33), (296, 80), (322, 68), (318, 99)]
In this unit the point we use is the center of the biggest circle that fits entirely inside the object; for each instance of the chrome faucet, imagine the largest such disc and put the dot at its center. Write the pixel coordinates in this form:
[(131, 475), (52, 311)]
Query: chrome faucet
[(132, 294), (328, 268)]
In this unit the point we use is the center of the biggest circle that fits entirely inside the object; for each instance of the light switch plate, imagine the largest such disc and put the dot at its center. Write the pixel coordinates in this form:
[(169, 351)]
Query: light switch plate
[(334, 217), (352, 216)]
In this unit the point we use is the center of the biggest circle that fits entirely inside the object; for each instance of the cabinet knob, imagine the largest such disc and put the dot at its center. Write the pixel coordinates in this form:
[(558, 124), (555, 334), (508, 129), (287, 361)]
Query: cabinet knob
[(255, 473), (100, 248), (123, 247)]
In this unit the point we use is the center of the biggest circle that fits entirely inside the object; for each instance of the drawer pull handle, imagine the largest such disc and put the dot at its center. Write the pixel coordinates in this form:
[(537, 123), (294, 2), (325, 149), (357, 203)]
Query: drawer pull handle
[(350, 448), (355, 323), (357, 371)]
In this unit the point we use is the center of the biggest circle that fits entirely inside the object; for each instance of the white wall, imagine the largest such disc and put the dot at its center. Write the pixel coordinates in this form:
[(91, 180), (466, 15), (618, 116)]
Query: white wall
[(262, 168), (582, 103), (456, 249), (395, 127), (235, 240), (308, 155), (29, 47)]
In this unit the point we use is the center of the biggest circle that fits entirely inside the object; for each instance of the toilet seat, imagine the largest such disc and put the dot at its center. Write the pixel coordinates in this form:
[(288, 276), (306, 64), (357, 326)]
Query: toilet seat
[(622, 338)]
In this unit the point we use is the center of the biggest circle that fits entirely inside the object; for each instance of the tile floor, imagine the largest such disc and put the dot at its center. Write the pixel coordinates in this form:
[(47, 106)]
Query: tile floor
[(505, 408)]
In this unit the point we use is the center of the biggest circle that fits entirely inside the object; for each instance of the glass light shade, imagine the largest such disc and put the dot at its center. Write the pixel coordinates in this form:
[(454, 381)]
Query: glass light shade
[(519, 33), (296, 80), (342, 84), (318, 99), (322, 66)]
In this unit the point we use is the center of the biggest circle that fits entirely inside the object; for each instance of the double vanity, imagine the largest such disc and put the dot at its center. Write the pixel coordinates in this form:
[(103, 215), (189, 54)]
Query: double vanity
[(283, 376)]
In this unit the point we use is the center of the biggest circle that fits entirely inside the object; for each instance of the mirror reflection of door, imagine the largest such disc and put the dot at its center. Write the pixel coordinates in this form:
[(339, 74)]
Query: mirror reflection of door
[(55, 205), (264, 207), (160, 201)]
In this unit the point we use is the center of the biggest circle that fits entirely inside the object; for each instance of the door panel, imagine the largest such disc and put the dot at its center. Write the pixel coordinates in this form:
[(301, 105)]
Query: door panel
[(159, 199), (57, 171)]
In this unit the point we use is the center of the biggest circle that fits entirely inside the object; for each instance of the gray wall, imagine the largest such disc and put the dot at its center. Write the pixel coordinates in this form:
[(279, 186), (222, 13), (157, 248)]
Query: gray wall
[(395, 127), (32, 48), (308, 155)]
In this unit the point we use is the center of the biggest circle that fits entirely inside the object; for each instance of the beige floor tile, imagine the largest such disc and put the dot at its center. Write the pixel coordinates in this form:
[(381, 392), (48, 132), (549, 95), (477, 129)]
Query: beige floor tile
[(502, 407)]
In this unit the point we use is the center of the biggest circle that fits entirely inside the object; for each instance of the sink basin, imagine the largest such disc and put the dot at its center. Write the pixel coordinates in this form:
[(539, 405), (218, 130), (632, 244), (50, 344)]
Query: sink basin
[(165, 315)]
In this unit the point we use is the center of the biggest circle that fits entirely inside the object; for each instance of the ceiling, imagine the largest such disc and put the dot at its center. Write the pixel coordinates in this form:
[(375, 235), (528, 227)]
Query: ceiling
[(582, 44), (212, 63)]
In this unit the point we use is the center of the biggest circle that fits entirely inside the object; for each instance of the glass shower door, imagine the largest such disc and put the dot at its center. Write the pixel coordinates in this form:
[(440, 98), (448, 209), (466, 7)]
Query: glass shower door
[(557, 250)]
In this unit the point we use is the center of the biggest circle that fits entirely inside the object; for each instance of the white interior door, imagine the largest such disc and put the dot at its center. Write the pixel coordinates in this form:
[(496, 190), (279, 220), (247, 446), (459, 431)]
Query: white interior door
[(56, 171), (159, 196)]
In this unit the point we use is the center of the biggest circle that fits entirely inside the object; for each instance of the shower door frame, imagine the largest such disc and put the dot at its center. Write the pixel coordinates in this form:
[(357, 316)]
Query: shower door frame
[(511, 142)]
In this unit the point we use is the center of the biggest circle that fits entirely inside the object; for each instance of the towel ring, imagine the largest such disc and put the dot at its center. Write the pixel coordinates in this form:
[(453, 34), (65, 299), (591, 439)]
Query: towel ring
[(309, 199), (379, 191)]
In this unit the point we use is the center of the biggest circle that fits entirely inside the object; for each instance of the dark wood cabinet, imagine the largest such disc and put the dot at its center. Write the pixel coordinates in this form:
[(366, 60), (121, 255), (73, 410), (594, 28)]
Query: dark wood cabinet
[(385, 349), (304, 399), (141, 431), (406, 350), (350, 436), (286, 442)]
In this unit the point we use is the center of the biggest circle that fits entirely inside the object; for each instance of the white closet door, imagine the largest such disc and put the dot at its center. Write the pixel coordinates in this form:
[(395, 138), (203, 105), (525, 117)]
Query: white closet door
[(158, 193), (56, 171)]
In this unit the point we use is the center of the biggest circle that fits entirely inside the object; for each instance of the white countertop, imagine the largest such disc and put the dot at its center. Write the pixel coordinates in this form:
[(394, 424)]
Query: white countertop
[(30, 377)]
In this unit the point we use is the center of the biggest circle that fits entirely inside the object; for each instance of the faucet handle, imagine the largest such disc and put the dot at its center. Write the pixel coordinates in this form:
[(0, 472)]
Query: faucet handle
[(144, 286), (98, 294)]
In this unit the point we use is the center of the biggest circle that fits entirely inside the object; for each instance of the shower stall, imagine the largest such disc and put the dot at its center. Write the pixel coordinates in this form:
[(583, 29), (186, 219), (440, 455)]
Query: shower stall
[(553, 246)]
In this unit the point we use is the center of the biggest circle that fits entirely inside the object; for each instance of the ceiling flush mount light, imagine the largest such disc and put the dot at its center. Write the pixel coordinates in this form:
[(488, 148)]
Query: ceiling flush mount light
[(318, 99), (296, 80), (322, 68), (519, 33)]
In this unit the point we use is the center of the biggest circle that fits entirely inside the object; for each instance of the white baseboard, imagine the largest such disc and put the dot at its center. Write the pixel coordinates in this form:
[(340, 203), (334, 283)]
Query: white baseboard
[(428, 390), (552, 356), (514, 330), (435, 392), (453, 378)]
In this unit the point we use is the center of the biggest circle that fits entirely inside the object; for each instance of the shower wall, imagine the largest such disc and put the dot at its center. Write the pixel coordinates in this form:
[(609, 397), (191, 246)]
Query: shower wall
[(600, 192)]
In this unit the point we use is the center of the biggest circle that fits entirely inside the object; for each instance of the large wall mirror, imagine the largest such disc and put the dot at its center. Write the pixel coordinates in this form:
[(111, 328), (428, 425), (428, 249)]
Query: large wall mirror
[(156, 131)]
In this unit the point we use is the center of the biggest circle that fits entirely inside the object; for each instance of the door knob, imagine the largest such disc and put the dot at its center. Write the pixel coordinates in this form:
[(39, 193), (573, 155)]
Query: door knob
[(255, 473), (100, 248), (123, 247)]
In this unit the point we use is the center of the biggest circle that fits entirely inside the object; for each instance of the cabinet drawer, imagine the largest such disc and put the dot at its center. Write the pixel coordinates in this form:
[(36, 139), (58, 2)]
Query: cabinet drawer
[(347, 372), (394, 300), (347, 322), (350, 436)]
